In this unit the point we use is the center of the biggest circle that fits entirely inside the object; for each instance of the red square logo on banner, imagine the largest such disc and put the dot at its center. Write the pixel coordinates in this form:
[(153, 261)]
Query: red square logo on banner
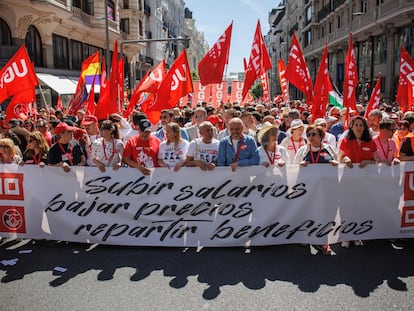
[(12, 219), (11, 186), (409, 186)]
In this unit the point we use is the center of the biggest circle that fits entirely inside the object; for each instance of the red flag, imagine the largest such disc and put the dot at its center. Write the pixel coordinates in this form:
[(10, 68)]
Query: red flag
[(351, 77), (211, 66), (109, 99), (121, 71), (322, 88), (79, 97), (284, 83), (59, 104), (104, 82), (259, 61), (17, 75), (265, 87), (219, 94), (297, 71), (405, 91), (136, 96), (202, 93), (375, 97), (236, 91), (18, 106), (176, 84)]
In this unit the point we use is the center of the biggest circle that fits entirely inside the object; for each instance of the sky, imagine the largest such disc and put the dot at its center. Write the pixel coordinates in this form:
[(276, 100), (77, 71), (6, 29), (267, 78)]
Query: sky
[(212, 17)]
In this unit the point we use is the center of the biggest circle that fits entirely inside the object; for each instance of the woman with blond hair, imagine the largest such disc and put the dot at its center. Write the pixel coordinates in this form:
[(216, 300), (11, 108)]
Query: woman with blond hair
[(36, 150), (173, 151), (8, 152)]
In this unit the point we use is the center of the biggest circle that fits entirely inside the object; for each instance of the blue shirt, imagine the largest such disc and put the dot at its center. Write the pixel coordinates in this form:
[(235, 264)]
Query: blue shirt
[(247, 153), (337, 129)]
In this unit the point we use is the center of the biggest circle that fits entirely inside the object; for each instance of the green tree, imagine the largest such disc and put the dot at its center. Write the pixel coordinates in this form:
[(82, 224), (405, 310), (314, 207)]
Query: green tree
[(257, 90), (194, 75)]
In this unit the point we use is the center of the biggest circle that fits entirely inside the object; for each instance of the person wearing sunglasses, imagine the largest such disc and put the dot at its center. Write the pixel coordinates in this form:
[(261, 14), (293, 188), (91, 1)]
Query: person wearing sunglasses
[(7, 152), (37, 149), (386, 146)]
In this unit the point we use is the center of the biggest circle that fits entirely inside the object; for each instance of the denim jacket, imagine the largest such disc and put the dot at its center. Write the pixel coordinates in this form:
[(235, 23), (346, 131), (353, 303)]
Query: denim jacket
[(247, 155)]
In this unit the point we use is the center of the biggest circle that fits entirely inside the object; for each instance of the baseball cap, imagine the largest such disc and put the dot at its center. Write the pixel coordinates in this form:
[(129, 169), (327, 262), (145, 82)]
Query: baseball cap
[(63, 126), (145, 125), (89, 119)]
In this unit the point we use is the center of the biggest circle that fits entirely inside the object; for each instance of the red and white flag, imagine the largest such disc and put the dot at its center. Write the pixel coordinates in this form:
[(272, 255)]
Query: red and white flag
[(211, 66), (176, 84), (18, 108), (259, 61), (297, 72), (375, 97), (219, 94), (322, 88), (351, 77), (202, 93), (17, 75), (284, 83), (405, 91), (264, 79)]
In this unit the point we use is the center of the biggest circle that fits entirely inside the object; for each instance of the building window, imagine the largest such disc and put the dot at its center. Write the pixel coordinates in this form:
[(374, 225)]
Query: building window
[(34, 46), (5, 33), (77, 3), (77, 55), (339, 21), (60, 52), (380, 51), (125, 25), (330, 27), (308, 38), (140, 28), (87, 6), (111, 10)]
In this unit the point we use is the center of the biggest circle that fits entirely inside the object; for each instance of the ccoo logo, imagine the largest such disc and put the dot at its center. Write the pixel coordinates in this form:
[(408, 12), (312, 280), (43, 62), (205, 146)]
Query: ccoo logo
[(12, 219)]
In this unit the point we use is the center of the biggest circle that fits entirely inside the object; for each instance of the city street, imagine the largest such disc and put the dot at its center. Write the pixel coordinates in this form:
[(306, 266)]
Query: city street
[(50, 275)]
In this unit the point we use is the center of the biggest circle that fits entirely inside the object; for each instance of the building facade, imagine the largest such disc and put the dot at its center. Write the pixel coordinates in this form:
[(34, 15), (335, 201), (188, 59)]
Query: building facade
[(60, 34), (379, 29)]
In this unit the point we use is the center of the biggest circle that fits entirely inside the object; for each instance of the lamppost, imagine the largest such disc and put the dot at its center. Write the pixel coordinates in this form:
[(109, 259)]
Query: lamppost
[(107, 37)]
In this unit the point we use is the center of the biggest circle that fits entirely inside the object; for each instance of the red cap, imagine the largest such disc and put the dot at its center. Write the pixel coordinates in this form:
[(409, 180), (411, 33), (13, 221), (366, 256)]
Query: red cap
[(61, 127), (89, 119)]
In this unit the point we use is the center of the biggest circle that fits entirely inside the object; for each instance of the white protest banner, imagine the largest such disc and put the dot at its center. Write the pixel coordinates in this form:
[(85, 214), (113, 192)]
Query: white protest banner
[(252, 206)]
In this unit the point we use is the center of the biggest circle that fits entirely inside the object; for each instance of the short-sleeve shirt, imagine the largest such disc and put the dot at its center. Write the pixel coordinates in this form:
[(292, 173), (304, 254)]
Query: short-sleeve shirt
[(358, 152), (173, 154), (143, 152), (70, 153), (204, 152), (108, 153), (385, 151)]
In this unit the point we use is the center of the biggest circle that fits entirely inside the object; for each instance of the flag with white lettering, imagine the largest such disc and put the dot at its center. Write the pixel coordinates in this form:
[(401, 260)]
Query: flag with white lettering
[(405, 91), (351, 77), (297, 72), (259, 60), (322, 88), (284, 83), (375, 97), (202, 93), (219, 94), (17, 75), (211, 66)]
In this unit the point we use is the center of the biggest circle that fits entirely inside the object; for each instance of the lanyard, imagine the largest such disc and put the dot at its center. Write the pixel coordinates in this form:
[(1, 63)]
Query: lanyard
[(37, 159), (104, 149), (293, 143), (236, 157), (69, 154), (382, 148), (317, 157), (271, 159)]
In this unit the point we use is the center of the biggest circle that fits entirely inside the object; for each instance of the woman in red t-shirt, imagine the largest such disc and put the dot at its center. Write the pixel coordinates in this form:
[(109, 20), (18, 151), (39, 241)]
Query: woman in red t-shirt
[(358, 146)]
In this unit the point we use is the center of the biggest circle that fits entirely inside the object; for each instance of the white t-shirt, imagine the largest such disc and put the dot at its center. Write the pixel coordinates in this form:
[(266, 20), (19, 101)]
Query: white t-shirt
[(205, 152), (109, 152), (172, 154), (292, 146)]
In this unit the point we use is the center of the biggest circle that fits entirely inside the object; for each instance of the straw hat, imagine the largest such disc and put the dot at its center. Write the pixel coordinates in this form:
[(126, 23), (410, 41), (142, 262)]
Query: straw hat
[(267, 126)]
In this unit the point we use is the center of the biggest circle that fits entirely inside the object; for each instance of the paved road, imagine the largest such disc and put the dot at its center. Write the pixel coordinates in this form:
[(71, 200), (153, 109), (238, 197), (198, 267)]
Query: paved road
[(49, 275)]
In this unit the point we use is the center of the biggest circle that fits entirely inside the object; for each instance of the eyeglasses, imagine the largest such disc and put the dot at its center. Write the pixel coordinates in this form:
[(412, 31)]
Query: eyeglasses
[(313, 134), (4, 146), (392, 129), (199, 116), (164, 117)]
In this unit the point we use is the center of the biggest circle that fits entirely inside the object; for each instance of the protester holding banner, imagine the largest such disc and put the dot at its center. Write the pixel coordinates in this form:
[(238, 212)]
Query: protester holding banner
[(237, 149), (90, 124), (203, 151), (386, 146), (315, 151), (37, 149), (293, 142), (107, 150), (173, 151), (8, 154), (141, 151), (401, 132), (66, 152), (270, 152), (358, 146)]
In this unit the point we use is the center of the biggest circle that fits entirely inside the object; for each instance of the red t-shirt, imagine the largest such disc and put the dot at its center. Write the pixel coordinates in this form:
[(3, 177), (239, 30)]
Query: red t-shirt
[(143, 152), (358, 152)]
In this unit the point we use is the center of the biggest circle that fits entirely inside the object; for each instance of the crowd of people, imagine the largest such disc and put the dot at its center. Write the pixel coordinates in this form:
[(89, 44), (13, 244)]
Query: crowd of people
[(206, 137)]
